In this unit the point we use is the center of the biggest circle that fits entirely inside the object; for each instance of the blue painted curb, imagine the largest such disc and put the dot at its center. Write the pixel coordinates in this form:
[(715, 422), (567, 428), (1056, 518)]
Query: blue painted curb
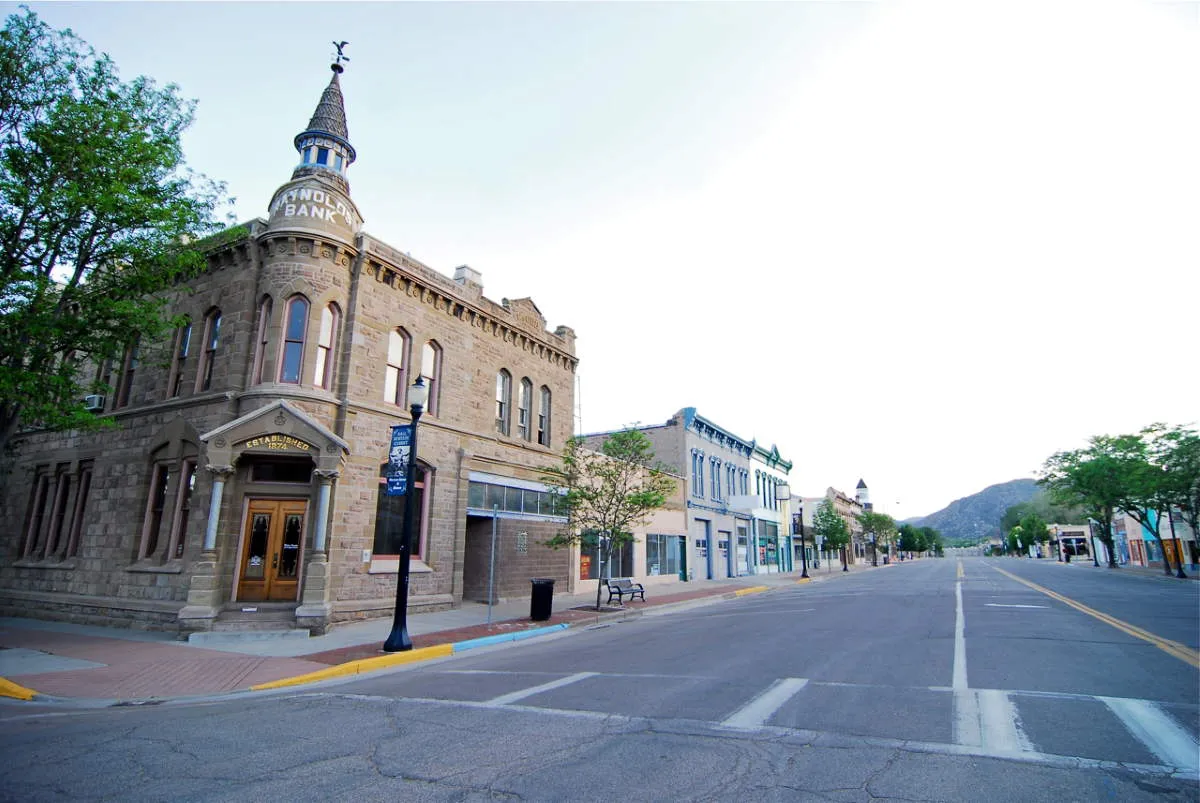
[(460, 646)]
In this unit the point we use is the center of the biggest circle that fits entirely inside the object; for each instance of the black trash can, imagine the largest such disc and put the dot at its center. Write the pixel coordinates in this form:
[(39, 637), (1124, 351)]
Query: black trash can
[(541, 602)]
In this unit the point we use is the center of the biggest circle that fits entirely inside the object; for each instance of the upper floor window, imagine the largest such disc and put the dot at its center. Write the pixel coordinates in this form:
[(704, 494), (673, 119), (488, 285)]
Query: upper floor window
[(322, 156), (260, 339), (697, 472), (503, 401), (543, 425), (295, 324), (431, 372), (395, 378), (323, 372), (745, 475), (525, 410), (128, 368), (715, 466), (183, 343), (212, 340)]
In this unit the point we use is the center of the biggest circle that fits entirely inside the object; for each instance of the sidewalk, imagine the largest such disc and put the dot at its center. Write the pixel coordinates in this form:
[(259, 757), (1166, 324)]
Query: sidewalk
[(84, 662), (1192, 572)]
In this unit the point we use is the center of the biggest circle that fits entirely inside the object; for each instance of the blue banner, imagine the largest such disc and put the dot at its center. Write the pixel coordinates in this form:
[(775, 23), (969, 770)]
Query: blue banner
[(398, 457)]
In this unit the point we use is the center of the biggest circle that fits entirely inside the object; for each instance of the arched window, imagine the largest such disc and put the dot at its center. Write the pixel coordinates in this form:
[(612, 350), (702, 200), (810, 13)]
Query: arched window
[(183, 343), (431, 371), (212, 340), (295, 324), (260, 339), (543, 425), (128, 368), (323, 372), (525, 410), (503, 401), (395, 379), (164, 526)]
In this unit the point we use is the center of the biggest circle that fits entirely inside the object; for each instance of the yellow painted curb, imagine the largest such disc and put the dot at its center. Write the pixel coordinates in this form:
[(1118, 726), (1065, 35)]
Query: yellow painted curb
[(361, 666), (1173, 648), (804, 580), (741, 592), (16, 691)]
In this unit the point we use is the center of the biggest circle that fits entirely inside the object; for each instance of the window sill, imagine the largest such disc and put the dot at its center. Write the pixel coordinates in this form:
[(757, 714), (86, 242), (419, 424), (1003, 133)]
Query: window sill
[(48, 563), (149, 567), (392, 566)]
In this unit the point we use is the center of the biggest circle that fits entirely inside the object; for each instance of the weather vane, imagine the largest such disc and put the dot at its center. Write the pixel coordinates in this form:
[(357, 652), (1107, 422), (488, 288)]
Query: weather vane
[(341, 56)]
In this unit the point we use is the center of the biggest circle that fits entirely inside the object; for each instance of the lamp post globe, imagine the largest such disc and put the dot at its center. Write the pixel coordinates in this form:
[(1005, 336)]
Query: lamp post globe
[(398, 640)]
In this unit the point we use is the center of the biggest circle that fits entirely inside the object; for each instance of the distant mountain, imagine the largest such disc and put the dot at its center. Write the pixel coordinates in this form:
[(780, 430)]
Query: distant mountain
[(978, 516)]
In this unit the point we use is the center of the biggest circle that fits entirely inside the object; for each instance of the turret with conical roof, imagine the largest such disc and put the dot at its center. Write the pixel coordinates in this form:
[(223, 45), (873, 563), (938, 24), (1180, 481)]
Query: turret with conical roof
[(862, 495), (324, 146), (317, 199)]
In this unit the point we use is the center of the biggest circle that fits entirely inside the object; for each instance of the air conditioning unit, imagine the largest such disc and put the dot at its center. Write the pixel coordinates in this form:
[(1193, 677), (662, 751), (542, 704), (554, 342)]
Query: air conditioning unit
[(93, 403)]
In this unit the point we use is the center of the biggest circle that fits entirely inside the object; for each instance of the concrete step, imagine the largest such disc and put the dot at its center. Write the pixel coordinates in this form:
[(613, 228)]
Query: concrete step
[(216, 637)]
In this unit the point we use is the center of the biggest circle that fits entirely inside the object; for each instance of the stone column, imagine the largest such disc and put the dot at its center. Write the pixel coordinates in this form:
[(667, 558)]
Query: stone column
[(315, 606), (204, 586)]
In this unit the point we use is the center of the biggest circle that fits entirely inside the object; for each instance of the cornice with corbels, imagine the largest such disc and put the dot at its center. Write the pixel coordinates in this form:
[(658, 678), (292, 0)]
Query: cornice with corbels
[(442, 301)]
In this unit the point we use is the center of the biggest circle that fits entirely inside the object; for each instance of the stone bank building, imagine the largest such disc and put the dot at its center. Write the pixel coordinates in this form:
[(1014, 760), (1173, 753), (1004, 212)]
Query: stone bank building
[(242, 486)]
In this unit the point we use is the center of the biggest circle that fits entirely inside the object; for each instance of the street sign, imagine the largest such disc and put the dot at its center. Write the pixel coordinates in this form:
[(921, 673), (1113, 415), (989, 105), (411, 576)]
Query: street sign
[(398, 457)]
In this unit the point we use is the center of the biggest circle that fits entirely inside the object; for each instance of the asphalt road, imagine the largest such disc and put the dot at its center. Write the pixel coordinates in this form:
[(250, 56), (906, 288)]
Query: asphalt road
[(915, 682)]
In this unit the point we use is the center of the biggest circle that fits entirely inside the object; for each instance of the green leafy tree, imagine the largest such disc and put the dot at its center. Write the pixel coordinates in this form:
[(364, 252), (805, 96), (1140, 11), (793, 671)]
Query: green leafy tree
[(1044, 506), (931, 540), (605, 494), (831, 529), (878, 528), (910, 538), (1178, 451), (96, 205), (1092, 479), (1034, 530), (1016, 546)]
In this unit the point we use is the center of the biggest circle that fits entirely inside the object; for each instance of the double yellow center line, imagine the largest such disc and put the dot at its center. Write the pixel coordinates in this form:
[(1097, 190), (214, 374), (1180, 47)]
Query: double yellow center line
[(1180, 651)]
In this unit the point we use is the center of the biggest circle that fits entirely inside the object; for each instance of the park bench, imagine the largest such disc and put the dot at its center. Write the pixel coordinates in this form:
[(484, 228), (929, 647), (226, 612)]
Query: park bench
[(624, 587)]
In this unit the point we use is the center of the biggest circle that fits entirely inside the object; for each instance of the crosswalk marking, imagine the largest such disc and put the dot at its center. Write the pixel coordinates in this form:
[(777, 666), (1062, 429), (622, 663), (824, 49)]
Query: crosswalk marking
[(1151, 725), (521, 694), (755, 713), (988, 718)]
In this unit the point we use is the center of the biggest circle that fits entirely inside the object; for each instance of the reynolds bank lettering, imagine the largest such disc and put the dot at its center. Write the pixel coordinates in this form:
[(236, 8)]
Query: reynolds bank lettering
[(312, 203)]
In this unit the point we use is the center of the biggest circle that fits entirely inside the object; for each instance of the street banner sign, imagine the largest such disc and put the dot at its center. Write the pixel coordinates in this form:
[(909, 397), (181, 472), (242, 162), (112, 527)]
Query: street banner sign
[(398, 457)]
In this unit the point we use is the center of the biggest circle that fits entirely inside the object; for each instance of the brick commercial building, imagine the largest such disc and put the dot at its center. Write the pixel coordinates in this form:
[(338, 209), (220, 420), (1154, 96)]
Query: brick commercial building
[(242, 484)]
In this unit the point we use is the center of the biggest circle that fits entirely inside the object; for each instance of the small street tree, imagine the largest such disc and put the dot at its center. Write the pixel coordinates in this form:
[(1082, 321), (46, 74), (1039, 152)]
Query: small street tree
[(878, 528), (1034, 530), (96, 207), (831, 529), (605, 494)]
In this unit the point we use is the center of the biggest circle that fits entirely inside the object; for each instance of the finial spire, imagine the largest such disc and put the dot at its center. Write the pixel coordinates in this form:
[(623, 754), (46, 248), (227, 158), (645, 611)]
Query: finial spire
[(339, 58)]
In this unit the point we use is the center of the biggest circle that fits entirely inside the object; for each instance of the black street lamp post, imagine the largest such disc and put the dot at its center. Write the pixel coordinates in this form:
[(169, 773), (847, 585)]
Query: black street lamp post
[(798, 527), (398, 640)]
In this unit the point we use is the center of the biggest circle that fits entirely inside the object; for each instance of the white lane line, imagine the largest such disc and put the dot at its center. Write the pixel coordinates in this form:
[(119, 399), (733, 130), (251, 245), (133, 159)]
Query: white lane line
[(512, 697), (968, 730), (1154, 728), (1002, 605), (755, 713), (960, 642)]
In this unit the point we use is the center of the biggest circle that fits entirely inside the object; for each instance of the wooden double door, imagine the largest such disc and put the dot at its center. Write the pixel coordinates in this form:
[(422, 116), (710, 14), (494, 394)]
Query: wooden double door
[(271, 547)]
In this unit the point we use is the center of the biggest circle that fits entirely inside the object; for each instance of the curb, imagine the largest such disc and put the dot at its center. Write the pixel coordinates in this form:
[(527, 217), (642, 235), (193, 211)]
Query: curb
[(360, 666), (15, 690)]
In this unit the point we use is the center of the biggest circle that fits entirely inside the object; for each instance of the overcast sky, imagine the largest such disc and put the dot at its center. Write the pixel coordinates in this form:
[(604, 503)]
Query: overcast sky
[(922, 244)]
